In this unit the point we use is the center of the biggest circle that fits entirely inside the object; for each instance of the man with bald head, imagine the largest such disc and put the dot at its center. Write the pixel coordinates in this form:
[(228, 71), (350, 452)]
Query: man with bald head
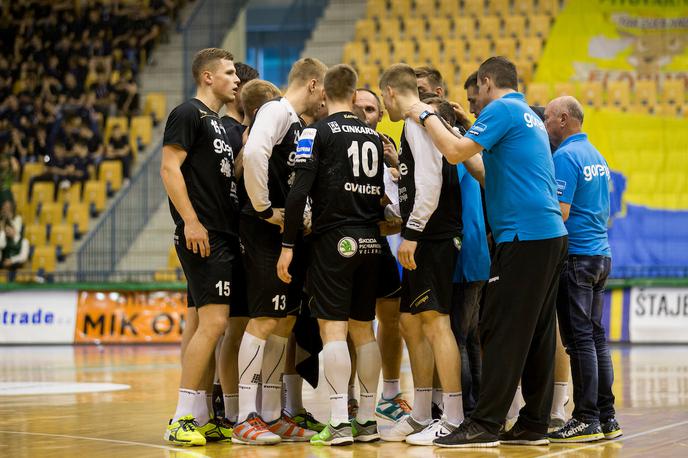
[(582, 176)]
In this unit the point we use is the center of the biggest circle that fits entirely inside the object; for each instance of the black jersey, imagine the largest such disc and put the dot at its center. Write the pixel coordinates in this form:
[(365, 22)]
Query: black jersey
[(235, 132), (208, 169), (339, 162), (269, 156), (429, 191)]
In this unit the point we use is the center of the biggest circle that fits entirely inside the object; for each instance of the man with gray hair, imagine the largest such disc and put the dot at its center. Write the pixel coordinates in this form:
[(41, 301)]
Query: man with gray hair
[(582, 176)]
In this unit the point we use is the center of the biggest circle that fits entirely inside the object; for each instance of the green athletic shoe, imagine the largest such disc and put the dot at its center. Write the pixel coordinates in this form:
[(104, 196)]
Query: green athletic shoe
[(365, 432), (184, 431), (334, 435), (305, 420)]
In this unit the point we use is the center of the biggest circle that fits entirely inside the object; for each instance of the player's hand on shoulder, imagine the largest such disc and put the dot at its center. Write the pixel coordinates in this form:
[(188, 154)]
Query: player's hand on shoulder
[(416, 109), (407, 250), (197, 240), (283, 264), (277, 218)]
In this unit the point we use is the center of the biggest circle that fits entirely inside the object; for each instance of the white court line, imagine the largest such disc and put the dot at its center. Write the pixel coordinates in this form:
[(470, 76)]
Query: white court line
[(621, 439), (112, 441)]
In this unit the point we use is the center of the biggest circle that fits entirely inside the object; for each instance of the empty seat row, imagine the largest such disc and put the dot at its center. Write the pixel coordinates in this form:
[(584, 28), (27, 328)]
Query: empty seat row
[(476, 8)]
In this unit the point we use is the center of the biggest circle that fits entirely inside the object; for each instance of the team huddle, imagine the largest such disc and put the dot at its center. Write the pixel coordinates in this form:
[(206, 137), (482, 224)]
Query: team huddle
[(287, 212)]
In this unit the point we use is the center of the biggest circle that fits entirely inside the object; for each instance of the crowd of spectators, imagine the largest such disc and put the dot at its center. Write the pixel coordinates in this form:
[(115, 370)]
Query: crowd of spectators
[(65, 68)]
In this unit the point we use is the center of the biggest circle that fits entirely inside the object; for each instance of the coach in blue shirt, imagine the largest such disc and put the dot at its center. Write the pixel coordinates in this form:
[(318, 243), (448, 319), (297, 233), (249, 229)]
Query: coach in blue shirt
[(517, 327), (583, 179)]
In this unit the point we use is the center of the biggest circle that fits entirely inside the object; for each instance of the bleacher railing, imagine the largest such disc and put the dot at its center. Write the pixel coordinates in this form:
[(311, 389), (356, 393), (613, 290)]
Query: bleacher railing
[(112, 237)]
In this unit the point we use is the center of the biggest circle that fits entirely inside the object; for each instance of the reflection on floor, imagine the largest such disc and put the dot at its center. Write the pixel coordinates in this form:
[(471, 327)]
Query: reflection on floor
[(651, 388)]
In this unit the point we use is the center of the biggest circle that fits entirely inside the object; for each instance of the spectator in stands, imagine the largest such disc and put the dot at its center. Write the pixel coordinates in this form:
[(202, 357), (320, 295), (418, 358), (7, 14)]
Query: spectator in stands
[(584, 201), (8, 172), (13, 246), (118, 149)]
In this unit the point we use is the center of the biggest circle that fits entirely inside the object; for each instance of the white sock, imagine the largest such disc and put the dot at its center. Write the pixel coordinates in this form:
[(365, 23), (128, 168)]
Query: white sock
[(561, 392), (422, 405), (292, 385), (250, 361), (274, 360), (391, 388), (231, 402), (185, 404), (516, 404), (337, 372), (351, 392), (437, 398), (201, 412), (209, 404), (453, 407), (368, 364)]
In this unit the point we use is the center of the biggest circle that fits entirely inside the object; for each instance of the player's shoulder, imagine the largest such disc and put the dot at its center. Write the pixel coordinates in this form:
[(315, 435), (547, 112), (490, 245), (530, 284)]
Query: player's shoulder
[(189, 108), (276, 107)]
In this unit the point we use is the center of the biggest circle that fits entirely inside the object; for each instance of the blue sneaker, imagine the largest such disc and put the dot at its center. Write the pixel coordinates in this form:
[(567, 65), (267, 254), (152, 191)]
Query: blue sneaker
[(392, 409)]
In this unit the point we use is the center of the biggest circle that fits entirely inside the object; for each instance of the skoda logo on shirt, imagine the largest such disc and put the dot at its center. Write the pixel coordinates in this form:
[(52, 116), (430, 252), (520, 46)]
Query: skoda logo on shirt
[(347, 247)]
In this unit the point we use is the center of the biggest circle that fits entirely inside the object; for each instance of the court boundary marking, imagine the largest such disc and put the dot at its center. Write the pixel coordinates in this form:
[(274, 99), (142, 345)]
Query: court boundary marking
[(112, 441), (621, 439)]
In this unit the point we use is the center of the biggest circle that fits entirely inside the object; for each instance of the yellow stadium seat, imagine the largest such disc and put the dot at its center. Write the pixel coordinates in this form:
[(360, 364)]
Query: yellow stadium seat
[(565, 89), (425, 8), (377, 8), (538, 25), (514, 26), (173, 259), (32, 169), (365, 29), (35, 234), (480, 49), (530, 48), (19, 193), (155, 103), (674, 92), (505, 47), (401, 8), (489, 26), (390, 29), (429, 51), (121, 121), (670, 109), (672, 182), (71, 194), (404, 51), (645, 93), (454, 51), (525, 70), (110, 172), (51, 213), (538, 94), (141, 128), (42, 191), (95, 194), (62, 236), (499, 7), (473, 7), (524, 7), (448, 72), (549, 7), (619, 94), (77, 217), (354, 51), (439, 27), (591, 93), (448, 8), (414, 28), (44, 258)]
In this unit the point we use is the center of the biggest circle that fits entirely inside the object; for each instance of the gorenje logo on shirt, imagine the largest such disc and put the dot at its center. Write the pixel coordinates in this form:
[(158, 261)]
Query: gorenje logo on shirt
[(595, 170), (533, 121)]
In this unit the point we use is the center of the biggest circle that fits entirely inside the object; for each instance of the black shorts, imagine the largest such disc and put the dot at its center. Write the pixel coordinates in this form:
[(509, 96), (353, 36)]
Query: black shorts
[(389, 283), (268, 296), (342, 276), (238, 296), (209, 279), (429, 287)]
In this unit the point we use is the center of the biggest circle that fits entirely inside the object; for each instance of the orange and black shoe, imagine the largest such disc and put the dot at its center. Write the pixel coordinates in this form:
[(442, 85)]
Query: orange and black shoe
[(254, 431)]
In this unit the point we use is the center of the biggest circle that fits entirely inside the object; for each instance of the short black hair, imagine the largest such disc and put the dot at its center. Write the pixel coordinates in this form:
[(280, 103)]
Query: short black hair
[(501, 70), (245, 72), (370, 91), (472, 80)]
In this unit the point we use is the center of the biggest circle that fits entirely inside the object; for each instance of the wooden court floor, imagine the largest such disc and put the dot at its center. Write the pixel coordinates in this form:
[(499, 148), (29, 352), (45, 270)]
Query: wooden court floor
[(651, 389)]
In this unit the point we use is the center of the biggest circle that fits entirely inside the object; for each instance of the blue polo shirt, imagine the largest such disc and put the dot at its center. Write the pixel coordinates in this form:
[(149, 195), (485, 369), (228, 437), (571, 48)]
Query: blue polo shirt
[(520, 189), (583, 181), (473, 263)]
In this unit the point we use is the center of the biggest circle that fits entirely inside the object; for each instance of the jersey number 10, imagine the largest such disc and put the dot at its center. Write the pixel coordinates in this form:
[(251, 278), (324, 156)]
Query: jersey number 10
[(362, 158)]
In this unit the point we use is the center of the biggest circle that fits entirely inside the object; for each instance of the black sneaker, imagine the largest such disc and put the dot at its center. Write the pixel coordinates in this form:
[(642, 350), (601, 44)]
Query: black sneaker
[(521, 436), (611, 429), (468, 435), (577, 431), (436, 412)]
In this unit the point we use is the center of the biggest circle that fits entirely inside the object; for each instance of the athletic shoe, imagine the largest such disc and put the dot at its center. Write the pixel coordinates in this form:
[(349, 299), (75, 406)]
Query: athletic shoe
[(184, 432), (469, 434), (611, 429), (334, 435), (436, 412), (217, 430), (521, 436), (392, 409), (435, 430), (405, 426), (576, 431), (364, 432), (305, 420), (352, 407), (555, 423), (254, 431), (289, 431)]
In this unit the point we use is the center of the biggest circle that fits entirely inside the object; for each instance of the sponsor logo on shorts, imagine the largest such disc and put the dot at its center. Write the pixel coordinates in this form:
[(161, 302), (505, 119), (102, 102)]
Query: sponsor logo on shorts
[(369, 246), (347, 247)]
